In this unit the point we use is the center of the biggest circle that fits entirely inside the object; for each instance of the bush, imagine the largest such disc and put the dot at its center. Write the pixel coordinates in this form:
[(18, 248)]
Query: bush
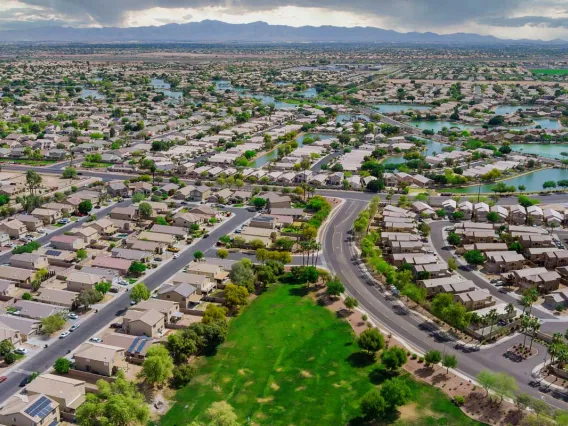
[(10, 358), (183, 375), (62, 365), (460, 400)]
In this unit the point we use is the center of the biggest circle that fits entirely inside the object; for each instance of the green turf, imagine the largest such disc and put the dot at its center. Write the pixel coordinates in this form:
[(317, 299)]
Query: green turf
[(288, 361), (547, 71)]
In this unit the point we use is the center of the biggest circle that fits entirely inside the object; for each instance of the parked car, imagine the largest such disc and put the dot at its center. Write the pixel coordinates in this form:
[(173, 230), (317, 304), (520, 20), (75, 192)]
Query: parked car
[(95, 339), (74, 327), (3, 379), (176, 255), (72, 316), (21, 351), (64, 334), (113, 290), (115, 325), (173, 249)]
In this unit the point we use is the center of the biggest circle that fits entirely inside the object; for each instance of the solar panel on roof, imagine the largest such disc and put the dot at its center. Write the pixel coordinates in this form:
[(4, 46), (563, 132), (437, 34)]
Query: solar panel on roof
[(132, 345), (53, 252), (40, 408), (141, 345)]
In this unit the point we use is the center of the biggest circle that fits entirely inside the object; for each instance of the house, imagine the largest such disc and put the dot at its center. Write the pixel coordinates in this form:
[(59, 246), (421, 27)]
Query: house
[(265, 222), (135, 347), (210, 270), (18, 275), (68, 242), (32, 223), (168, 308), (185, 220), (503, 261), (14, 228), (150, 323), (423, 209), (141, 187), (177, 231), (540, 278), (295, 214), (518, 214), (117, 189), (104, 226), (29, 410), (204, 211), (183, 294), (274, 200), (79, 281), (555, 259), (413, 259), (432, 270), (120, 265), (452, 284), (48, 216), (157, 237), (98, 358), (502, 213), (536, 240), (28, 261), (129, 213), (473, 300), (481, 210), (535, 215), (36, 310), (536, 254), (88, 234), (552, 216), (202, 283), (18, 329), (449, 206), (63, 298), (200, 193), (67, 392), (557, 298)]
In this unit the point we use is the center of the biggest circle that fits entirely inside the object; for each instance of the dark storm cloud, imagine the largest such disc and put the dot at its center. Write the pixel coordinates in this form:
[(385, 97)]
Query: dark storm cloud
[(529, 21), (407, 12)]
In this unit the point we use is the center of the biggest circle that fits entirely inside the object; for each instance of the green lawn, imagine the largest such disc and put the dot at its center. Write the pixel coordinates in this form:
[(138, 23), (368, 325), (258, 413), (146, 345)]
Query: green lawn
[(288, 361), (89, 165), (28, 162), (547, 71)]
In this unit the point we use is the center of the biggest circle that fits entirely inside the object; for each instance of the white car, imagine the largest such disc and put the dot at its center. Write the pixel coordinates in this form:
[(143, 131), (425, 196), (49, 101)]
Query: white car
[(64, 334), (21, 351), (176, 256), (72, 316), (95, 339)]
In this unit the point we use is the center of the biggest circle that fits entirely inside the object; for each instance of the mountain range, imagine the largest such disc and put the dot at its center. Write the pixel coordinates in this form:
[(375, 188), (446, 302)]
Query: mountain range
[(209, 31)]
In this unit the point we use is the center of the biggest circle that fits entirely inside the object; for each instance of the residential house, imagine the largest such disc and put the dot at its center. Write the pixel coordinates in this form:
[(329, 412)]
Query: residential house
[(88, 234), (117, 189), (35, 310), (535, 215), (79, 281), (518, 214), (557, 298), (555, 259), (104, 226), (28, 261), (185, 220), (14, 228), (135, 347), (540, 278), (552, 216), (432, 270), (202, 283), (120, 265), (423, 209), (200, 193), (185, 295), (177, 231), (168, 308), (67, 242), (63, 298), (210, 270), (29, 410), (149, 323), (129, 213), (18, 275), (473, 300), (67, 392), (481, 210), (98, 358), (503, 261), (502, 213), (48, 216), (33, 224)]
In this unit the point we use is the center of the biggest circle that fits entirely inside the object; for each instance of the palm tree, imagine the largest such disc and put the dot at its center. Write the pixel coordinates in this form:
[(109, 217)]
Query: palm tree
[(492, 316), (510, 309), (318, 248), (553, 350), (525, 326), (535, 326)]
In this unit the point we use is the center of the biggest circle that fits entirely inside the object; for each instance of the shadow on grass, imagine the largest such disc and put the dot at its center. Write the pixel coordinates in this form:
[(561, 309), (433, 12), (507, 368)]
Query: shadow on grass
[(299, 291), (389, 417), (360, 359), (380, 374)]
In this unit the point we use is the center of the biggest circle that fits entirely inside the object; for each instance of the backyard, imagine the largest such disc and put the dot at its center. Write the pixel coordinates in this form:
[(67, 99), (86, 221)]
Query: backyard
[(289, 361)]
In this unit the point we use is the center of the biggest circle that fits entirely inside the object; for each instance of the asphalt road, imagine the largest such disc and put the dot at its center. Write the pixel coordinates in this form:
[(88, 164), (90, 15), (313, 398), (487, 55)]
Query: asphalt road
[(45, 359), (341, 259)]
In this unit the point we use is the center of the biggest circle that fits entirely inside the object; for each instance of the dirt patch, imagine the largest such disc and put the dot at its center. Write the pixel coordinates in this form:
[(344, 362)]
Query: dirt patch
[(340, 384), (249, 383), (300, 388), (279, 369), (274, 386), (244, 371), (306, 374), (265, 400), (312, 358), (331, 373), (410, 412)]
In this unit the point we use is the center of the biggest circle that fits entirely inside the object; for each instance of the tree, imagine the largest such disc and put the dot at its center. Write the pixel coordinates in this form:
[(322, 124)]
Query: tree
[(137, 268), (549, 184), (161, 221), (242, 275), (516, 246), (183, 374), (103, 287), (373, 405), (310, 274), (236, 295), (89, 297), (158, 365), (335, 288), (474, 257), (214, 313), (449, 361), (395, 392), (62, 365), (371, 340), (138, 197), (52, 323), (69, 173), (81, 254), (10, 358), (259, 203), (145, 210), (34, 180), (351, 303), (6, 346), (452, 264), (85, 207), (433, 357), (504, 386), (393, 358), (487, 380), (139, 292), (222, 253), (493, 217), (198, 255), (454, 239), (222, 414), (458, 215), (118, 403)]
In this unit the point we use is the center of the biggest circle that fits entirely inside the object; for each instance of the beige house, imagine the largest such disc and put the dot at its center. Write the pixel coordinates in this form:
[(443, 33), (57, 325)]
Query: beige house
[(88, 234), (185, 295), (14, 228), (168, 308), (32, 223), (63, 298), (157, 237), (29, 410), (67, 392), (19, 275), (210, 270), (503, 261), (48, 216), (124, 213), (104, 226), (473, 300), (67, 242), (149, 323), (185, 220), (28, 261), (202, 283), (79, 281), (555, 259), (99, 359)]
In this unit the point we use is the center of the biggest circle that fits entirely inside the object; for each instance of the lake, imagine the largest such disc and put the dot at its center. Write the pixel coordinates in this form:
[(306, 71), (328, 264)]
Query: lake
[(508, 109), (310, 93), (163, 86), (544, 123), (396, 108), (349, 117), (543, 150), (432, 148), (272, 155), (532, 181), (437, 126)]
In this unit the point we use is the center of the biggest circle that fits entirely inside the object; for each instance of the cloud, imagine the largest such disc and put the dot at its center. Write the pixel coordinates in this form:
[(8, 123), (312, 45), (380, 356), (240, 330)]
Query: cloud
[(529, 21)]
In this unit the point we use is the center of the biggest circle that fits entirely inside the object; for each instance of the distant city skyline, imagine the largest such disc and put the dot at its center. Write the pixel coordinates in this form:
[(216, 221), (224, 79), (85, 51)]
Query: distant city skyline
[(514, 19)]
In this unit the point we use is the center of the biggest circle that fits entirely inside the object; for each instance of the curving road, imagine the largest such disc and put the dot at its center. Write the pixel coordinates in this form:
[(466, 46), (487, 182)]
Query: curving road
[(341, 258)]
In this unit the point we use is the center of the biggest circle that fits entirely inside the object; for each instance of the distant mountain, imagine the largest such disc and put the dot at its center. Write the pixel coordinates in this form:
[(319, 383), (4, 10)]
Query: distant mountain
[(257, 32)]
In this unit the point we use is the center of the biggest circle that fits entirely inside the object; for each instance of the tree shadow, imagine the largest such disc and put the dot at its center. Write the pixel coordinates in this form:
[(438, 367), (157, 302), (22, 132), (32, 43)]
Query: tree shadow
[(380, 374), (360, 359), (299, 291)]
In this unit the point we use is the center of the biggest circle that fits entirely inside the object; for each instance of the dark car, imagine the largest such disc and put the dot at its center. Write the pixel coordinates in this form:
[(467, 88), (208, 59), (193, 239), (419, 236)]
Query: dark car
[(115, 325), (206, 236)]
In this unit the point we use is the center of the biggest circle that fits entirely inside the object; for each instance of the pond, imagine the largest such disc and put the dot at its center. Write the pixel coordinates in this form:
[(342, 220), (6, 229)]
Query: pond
[(85, 93), (532, 181), (543, 150), (350, 117), (396, 108), (283, 83), (310, 93), (508, 109), (272, 155), (544, 123), (222, 85), (165, 87), (437, 126)]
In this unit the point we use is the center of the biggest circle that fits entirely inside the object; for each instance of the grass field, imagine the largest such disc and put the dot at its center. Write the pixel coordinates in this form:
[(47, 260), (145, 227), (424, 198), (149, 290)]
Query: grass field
[(550, 71), (28, 162), (288, 361)]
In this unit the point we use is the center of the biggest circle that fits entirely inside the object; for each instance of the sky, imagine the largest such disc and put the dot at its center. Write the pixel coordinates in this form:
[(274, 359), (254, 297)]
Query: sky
[(514, 19)]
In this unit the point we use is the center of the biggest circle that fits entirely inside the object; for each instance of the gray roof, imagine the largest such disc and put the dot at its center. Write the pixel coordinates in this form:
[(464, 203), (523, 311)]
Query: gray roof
[(23, 325), (184, 290)]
